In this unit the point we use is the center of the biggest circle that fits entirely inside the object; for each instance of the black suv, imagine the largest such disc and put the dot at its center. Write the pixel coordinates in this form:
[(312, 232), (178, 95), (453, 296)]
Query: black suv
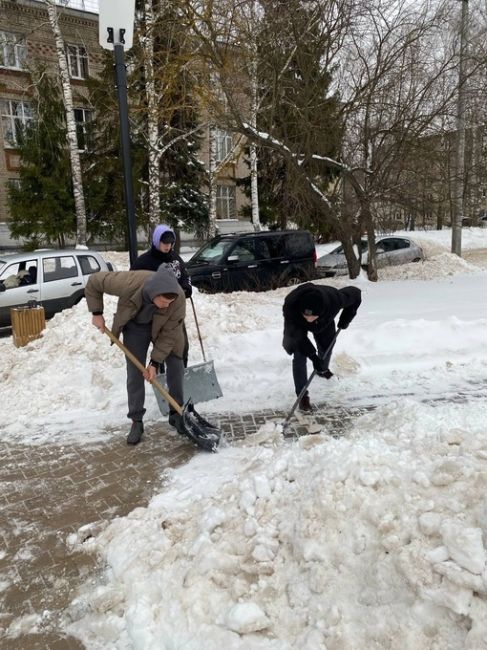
[(254, 261)]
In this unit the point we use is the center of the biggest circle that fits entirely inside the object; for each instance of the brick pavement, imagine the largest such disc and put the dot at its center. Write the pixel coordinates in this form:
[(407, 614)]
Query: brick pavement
[(48, 492)]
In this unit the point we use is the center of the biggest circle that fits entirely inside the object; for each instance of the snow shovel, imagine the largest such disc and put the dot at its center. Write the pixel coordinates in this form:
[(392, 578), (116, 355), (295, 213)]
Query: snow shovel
[(200, 380), (197, 429), (305, 387)]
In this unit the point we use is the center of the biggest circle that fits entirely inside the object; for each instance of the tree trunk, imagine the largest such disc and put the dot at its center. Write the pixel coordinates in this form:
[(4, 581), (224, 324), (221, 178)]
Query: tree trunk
[(79, 199), (152, 117), (254, 189), (368, 220), (212, 183), (352, 262)]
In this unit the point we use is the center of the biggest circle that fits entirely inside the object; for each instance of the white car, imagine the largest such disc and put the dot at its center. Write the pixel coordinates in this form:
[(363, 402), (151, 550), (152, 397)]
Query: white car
[(55, 279), (390, 251)]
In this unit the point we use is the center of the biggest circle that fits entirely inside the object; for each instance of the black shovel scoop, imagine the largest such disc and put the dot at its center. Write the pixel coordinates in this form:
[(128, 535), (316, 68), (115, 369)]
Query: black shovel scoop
[(202, 433)]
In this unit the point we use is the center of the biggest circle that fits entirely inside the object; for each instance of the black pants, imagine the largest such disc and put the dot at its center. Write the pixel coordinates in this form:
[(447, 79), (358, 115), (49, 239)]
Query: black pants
[(300, 369), (137, 339)]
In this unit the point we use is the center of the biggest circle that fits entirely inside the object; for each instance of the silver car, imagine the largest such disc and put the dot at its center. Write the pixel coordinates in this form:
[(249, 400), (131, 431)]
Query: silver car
[(55, 279), (390, 252)]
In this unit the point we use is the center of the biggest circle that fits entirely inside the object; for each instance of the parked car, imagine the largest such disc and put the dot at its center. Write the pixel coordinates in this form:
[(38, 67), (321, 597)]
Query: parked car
[(54, 279), (390, 251), (254, 261)]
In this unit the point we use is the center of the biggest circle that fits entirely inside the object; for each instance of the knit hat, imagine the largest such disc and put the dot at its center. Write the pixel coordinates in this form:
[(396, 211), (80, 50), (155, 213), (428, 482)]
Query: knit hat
[(168, 237), (311, 304)]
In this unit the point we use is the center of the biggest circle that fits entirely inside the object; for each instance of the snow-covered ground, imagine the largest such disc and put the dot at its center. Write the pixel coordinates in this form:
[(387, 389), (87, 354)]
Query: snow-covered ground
[(373, 540)]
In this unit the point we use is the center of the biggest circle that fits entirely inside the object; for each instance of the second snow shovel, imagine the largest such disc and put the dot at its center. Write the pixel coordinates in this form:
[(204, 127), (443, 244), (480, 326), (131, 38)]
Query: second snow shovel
[(200, 380), (305, 387), (196, 428)]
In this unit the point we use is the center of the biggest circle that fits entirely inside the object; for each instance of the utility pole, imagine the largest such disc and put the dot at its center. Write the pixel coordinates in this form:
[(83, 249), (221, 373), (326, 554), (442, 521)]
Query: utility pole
[(116, 29), (459, 181)]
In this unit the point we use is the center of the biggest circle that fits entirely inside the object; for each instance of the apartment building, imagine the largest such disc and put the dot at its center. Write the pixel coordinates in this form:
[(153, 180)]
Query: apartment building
[(26, 38)]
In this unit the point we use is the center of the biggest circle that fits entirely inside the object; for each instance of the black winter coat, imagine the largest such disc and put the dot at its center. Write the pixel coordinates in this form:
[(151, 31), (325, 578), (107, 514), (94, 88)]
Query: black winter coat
[(296, 327), (153, 258)]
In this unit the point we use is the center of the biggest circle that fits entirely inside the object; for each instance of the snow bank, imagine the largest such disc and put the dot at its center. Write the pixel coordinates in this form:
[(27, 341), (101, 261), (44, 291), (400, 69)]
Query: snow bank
[(439, 265), (330, 543)]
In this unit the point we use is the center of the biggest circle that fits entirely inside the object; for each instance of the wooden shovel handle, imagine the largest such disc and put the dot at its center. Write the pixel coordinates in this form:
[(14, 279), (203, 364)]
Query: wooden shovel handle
[(140, 366)]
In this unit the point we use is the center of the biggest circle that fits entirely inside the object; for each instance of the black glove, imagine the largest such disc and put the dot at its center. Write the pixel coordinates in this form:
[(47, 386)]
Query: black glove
[(319, 365), (342, 325)]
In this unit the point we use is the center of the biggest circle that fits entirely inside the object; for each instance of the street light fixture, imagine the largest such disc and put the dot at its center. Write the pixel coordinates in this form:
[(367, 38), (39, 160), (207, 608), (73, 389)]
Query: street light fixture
[(116, 30)]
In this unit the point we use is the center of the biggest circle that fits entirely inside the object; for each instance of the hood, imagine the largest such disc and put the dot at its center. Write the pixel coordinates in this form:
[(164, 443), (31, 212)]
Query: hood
[(158, 232), (312, 303), (163, 281)]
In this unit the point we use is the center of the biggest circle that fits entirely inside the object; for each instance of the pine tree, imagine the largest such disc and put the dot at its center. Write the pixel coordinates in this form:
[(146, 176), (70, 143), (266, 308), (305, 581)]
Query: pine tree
[(303, 112), (42, 205)]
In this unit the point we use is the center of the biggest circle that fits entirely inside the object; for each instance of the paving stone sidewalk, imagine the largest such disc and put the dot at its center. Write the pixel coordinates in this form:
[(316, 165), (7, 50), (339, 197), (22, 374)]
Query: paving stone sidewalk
[(48, 492)]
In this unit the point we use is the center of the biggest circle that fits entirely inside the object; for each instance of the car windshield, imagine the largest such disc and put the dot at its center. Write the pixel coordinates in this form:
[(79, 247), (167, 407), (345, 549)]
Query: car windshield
[(212, 252)]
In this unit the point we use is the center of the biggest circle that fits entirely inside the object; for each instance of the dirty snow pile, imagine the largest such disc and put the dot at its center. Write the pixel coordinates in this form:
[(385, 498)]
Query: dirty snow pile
[(376, 540)]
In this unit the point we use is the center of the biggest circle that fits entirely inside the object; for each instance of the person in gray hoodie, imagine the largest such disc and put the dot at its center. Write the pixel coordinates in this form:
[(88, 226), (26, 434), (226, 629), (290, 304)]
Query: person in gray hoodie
[(151, 308)]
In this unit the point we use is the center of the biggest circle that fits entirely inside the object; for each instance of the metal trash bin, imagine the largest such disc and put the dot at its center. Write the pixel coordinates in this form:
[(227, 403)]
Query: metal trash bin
[(27, 323)]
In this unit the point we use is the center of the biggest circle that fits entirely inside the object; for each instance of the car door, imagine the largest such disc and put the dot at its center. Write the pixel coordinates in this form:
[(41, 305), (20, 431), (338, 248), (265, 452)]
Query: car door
[(385, 250), (395, 251), (240, 269), (88, 264), (27, 287), (61, 283), (402, 251)]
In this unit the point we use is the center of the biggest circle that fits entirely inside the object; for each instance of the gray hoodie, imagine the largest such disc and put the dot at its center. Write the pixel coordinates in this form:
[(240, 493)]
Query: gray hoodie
[(162, 281)]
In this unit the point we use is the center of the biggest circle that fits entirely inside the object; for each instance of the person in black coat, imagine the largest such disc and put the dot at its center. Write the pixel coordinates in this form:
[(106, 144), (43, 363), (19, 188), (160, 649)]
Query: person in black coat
[(313, 308), (162, 252)]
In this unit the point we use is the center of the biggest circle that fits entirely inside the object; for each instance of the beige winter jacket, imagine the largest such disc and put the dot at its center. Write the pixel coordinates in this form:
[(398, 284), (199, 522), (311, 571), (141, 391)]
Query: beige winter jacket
[(167, 324)]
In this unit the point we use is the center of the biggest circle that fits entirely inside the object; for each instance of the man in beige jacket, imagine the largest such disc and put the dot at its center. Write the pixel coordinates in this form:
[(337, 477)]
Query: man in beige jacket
[(151, 308)]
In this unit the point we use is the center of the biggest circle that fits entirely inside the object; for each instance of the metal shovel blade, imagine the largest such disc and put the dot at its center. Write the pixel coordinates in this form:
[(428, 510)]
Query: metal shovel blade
[(200, 385), (200, 431)]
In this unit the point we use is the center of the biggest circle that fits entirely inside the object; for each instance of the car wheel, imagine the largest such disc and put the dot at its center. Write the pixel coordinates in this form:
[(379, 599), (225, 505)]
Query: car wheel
[(292, 281)]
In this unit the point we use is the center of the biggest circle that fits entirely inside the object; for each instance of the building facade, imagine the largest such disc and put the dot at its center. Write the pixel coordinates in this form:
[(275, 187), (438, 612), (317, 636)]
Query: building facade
[(26, 39)]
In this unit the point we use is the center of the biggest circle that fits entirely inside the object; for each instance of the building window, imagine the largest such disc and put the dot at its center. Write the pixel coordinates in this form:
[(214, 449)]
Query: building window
[(13, 51), (82, 118), (225, 202), (77, 61), (224, 144), (15, 118), (14, 183)]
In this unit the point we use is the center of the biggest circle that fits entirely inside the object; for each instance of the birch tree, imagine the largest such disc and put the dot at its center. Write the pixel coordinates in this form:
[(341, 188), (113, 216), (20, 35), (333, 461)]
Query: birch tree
[(167, 117), (79, 200)]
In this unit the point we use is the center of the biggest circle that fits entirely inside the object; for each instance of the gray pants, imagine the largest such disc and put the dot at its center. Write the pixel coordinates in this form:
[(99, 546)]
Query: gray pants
[(137, 339)]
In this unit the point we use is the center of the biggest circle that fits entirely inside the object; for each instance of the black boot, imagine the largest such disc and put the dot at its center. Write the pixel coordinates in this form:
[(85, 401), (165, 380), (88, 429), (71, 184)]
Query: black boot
[(136, 431), (176, 421), (305, 404)]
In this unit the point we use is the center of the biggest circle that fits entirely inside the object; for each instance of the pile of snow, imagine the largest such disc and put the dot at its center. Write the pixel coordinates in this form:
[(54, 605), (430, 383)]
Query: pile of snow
[(330, 543), (435, 266)]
